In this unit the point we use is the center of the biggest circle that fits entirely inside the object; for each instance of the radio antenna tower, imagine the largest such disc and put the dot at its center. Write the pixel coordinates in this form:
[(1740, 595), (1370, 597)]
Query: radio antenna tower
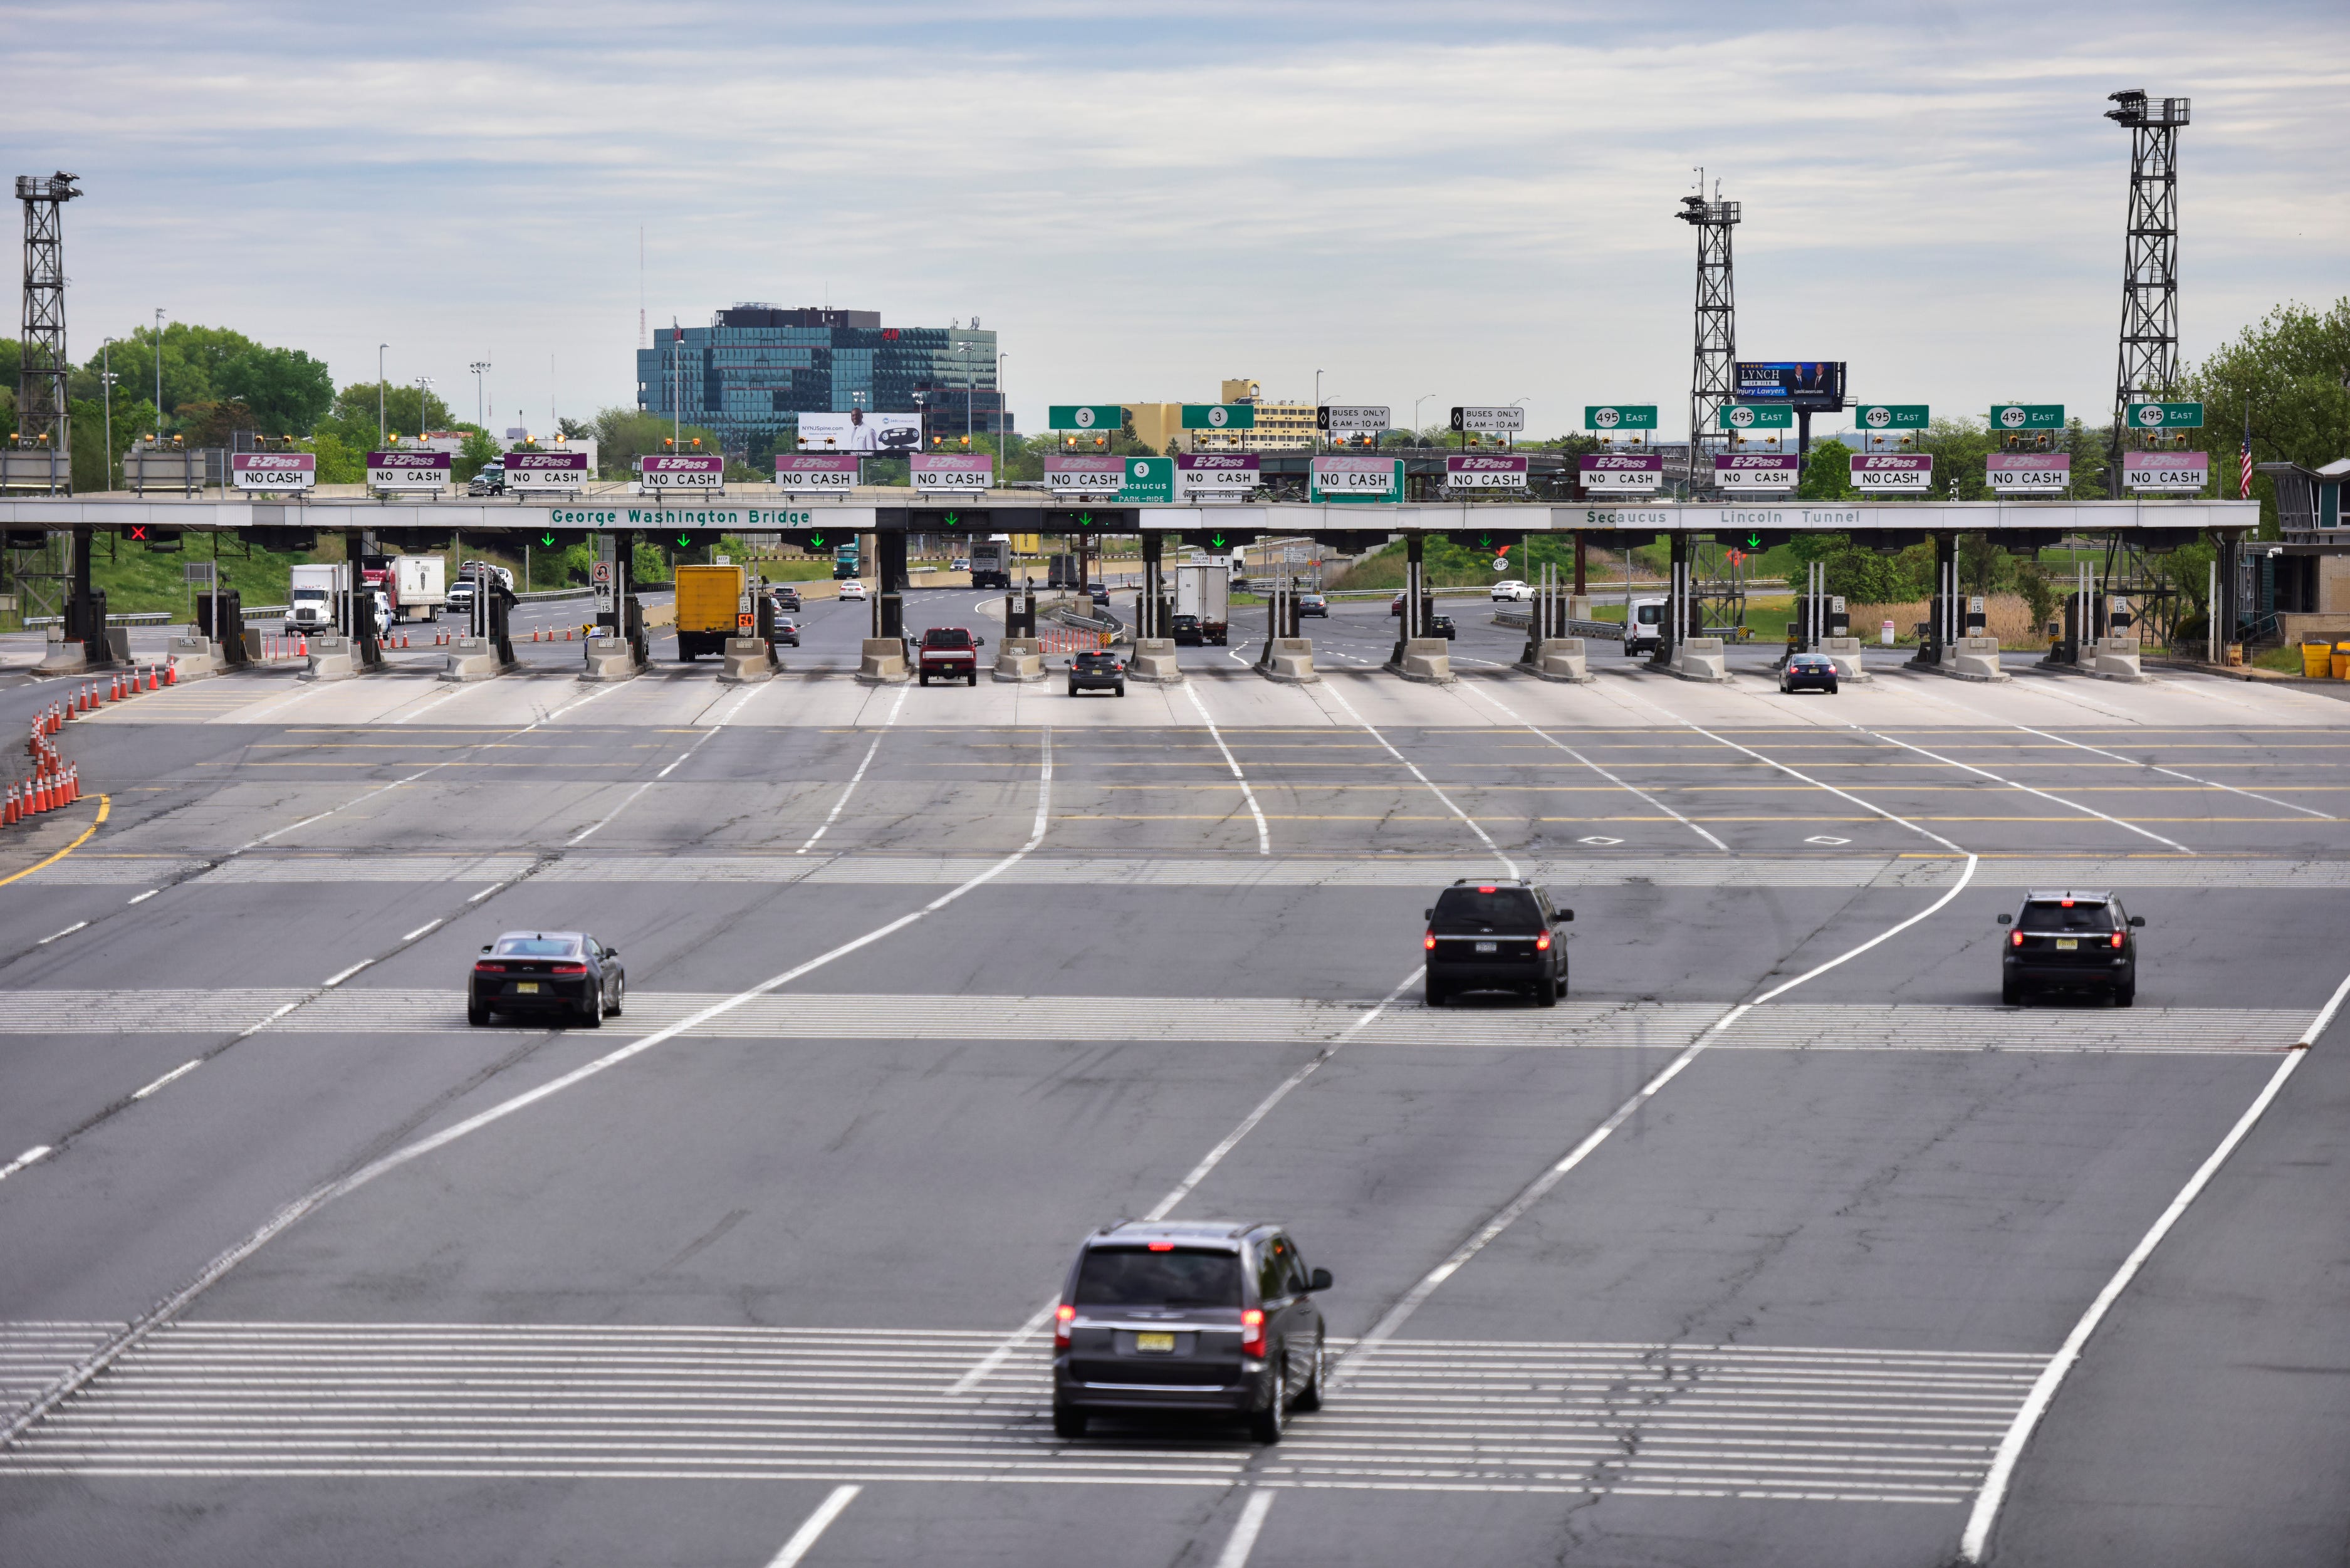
[(41, 376), (2149, 366), (1712, 371)]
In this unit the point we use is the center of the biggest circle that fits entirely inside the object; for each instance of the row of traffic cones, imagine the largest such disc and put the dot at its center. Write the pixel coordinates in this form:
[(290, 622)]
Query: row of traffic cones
[(54, 783), (289, 646), (547, 634), (90, 696)]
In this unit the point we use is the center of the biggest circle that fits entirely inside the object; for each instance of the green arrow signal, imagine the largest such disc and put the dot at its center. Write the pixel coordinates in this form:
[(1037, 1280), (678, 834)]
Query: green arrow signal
[(547, 540), (1754, 541), (1084, 519), (685, 541), (815, 541), (954, 519), (1215, 541)]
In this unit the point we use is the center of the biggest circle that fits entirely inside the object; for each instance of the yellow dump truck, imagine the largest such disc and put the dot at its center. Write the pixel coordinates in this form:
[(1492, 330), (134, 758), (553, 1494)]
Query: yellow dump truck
[(709, 602)]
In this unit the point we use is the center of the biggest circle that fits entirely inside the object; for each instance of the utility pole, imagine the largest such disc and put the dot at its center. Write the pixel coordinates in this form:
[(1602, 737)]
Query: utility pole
[(106, 379), (480, 415), (1711, 370), (42, 411), (2149, 361), (424, 393), (381, 428)]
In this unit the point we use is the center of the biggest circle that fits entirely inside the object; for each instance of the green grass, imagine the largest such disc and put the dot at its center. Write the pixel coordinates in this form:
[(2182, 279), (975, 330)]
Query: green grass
[(137, 580)]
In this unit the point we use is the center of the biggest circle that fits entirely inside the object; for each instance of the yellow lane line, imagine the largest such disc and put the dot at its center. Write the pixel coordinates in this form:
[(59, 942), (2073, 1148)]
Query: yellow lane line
[(105, 802)]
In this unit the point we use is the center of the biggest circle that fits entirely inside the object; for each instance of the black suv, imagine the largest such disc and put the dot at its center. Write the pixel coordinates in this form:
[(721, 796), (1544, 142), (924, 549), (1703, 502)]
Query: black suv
[(1096, 672), (1188, 1315), (787, 600), (2081, 942), (1495, 936)]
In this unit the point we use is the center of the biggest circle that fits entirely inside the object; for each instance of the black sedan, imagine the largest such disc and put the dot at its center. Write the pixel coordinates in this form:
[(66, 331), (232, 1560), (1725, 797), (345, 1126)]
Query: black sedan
[(2070, 941), (787, 632), (1808, 672), (1096, 672), (1313, 604), (568, 973), (1442, 626)]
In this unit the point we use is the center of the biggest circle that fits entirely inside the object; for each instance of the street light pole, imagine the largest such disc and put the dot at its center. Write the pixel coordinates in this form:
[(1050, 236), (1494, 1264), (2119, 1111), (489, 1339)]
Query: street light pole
[(379, 426), (481, 417), (159, 376), (423, 391), (1318, 410), (1415, 415), (106, 376)]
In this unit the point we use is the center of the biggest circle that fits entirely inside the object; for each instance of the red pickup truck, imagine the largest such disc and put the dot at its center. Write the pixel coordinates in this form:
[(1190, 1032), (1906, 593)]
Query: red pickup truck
[(949, 653)]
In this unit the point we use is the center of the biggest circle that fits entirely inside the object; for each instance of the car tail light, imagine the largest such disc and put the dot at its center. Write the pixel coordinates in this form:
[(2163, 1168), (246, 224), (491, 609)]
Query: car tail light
[(489, 968), (2015, 938), (1253, 1332), (1542, 943), (1063, 1316), (1429, 941), (570, 969), (2117, 939)]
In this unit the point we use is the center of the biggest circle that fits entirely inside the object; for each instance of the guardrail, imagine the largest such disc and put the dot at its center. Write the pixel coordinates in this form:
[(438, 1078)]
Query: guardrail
[(128, 617), (1606, 630)]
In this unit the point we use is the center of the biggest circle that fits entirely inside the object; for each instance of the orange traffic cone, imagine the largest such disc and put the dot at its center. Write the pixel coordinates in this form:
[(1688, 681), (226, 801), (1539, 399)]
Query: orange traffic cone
[(8, 816), (171, 675), (40, 793), (73, 783)]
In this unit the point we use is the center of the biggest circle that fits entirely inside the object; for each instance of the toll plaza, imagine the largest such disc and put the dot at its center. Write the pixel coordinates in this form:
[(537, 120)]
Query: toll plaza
[(1950, 643)]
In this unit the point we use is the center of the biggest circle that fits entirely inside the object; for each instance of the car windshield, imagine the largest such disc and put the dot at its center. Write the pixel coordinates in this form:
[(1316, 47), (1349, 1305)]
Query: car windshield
[(2078, 916), (1495, 909), (1095, 662), (942, 636), (538, 947), (1136, 1276)]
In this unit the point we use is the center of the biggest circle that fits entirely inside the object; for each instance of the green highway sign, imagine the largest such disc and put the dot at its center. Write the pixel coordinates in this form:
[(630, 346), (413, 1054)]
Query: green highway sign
[(1891, 416), (1756, 417), (1220, 416), (1104, 417), (2027, 416), (1147, 479), (1619, 416), (2165, 416)]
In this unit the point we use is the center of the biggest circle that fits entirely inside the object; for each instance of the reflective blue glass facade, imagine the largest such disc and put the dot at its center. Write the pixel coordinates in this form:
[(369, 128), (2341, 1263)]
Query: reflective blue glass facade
[(755, 369)]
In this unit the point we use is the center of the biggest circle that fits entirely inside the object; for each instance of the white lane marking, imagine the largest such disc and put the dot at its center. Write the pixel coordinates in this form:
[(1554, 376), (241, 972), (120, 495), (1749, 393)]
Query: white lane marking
[(343, 975), (53, 935), (2044, 794), (136, 1331), (1385, 1329), (252, 1030), (31, 1156), (322, 816), (1264, 837), (815, 1525), (485, 892), (1631, 789), (1509, 865), (1985, 1513), (1243, 1540), (987, 1365), (421, 930), (855, 778), (147, 895), (594, 827), (181, 1071)]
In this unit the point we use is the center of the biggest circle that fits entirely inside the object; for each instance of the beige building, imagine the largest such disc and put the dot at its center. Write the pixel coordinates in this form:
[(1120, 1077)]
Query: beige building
[(1280, 426)]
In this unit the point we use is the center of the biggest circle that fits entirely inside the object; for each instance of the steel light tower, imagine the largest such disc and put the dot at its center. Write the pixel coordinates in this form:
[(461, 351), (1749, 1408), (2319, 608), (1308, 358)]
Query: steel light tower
[(2149, 361), (41, 375), (480, 367), (1712, 371)]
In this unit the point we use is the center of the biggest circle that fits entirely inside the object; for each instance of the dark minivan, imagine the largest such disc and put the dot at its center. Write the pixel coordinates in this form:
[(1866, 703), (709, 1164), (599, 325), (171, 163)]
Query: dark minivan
[(1212, 1317), (1495, 936), (2071, 942)]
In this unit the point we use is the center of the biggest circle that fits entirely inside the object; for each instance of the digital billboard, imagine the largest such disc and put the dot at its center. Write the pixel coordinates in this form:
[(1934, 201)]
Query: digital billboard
[(1813, 384), (858, 431)]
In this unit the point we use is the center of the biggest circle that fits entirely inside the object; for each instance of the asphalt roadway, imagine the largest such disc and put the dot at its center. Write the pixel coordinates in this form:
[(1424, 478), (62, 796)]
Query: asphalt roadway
[(925, 984)]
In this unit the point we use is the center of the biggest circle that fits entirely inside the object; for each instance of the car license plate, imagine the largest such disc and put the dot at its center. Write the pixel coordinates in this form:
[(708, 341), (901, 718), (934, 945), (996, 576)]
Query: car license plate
[(2068, 944), (1489, 947), (1155, 1344), (526, 987)]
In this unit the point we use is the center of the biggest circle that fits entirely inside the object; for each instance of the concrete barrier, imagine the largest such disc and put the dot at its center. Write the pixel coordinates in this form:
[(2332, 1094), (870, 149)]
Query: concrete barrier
[(1289, 658), (1426, 659), (62, 658), (749, 660), (2117, 659), (1844, 652), (1560, 658), (332, 657), (193, 658), (1972, 658), (471, 659), (609, 659), (1700, 659), (1154, 661), (882, 661), (1020, 658)]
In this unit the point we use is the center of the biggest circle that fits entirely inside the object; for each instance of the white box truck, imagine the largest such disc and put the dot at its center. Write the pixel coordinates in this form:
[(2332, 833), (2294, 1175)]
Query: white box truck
[(420, 587), (990, 562), (311, 598), (1203, 597)]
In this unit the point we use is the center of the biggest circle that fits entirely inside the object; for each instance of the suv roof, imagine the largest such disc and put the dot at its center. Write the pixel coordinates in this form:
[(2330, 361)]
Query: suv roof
[(1194, 1233), (1492, 882), (2059, 896)]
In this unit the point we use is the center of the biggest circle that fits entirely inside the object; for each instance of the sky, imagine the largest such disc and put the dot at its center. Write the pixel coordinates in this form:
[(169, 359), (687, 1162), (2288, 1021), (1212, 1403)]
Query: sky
[(1419, 205)]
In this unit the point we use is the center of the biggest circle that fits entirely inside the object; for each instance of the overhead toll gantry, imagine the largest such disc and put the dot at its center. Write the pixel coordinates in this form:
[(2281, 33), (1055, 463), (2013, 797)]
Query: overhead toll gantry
[(2151, 524)]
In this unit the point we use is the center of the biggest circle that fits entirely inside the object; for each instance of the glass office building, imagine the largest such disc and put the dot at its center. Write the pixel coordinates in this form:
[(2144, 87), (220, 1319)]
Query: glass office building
[(757, 367)]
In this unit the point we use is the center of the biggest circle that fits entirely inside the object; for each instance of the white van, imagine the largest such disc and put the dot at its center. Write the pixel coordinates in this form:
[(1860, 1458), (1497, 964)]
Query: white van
[(1644, 627)]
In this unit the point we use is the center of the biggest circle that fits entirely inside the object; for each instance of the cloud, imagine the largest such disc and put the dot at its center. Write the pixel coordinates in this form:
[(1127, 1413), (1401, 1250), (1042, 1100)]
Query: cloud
[(1144, 204)]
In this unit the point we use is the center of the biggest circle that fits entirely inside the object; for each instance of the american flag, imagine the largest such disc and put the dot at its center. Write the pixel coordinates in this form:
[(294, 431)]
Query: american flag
[(2244, 472)]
